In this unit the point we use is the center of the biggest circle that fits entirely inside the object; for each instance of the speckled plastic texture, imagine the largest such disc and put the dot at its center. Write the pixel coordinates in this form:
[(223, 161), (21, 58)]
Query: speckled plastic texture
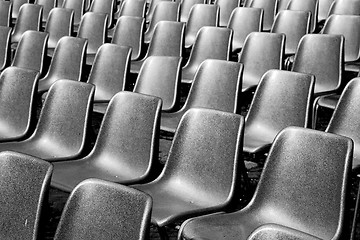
[(24, 182), (186, 6), (47, 5), (152, 6), (226, 6), (104, 6), (217, 85), (79, 10), (133, 8), (269, 7), (261, 52), (67, 62), (61, 131), (18, 87), (344, 7), (100, 210), (203, 170), (311, 6), (210, 43), (127, 146), (5, 13), (5, 34), (160, 76), (303, 186), (282, 99)]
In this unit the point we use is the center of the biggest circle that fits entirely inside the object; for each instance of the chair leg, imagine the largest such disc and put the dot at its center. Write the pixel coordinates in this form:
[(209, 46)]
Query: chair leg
[(163, 233), (353, 229), (315, 112)]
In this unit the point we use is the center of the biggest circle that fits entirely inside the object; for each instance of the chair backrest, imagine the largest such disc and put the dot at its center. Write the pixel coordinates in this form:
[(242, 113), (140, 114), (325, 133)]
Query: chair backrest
[(323, 56), (5, 13), (65, 117), (98, 209), (31, 51), (294, 24), (210, 167), (67, 62), (164, 11), (269, 7), (160, 76), (129, 31), (349, 27), (133, 8), (216, 85), (79, 9), (324, 7), (282, 5), (345, 7), (226, 8), (210, 43), (307, 6), (5, 35), (200, 15), (110, 70), (152, 6), (30, 16), (59, 24), (185, 8), (243, 21), (47, 5), (16, 5), (104, 6), (345, 119), (281, 99), (304, 181), (18, 89), (24, 185), (261, 52), (93, 28)]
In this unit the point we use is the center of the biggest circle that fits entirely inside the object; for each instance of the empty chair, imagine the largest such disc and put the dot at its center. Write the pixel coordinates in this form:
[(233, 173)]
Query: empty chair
[(200, 15), (261, 52), (160, 76), (307, 6), (67, 62), (5, 13), (61, 131), (345, 7), (31, 51), (102, 6), (126, 148), (78, 6), (16, 5), (152, 6), (303, 182), (294, 24), (216, 85), (30, 16), (5, 35), (47, 5), (269, 7), (226, 8), (185, 8), (24, 187), (167, 40), (282, 99), (200, 175), (59, 24), (164, 11), (210, 43), (246, 3), (324, 7), (133, 8), (244, 21), (103, 210), (282, 5), (129, 31), (17, 103)]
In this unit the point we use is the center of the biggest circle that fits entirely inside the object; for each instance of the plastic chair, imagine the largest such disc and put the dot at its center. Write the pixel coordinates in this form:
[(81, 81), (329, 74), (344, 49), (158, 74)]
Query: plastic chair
[(167, 40), (132, 8), (164, 11), (29, 18), (244, 21), (59, 24), (24, 188), (296, 190), (16, 5), (200, 15), (78, 6), (103, 210), (324, 7), (61, 131), (216, 85), (17, 103), (104, 6), (126, 148), (31, 51), (282, 99), (47, 5), (5, 13), (186, 6), (345, 7), (210, 43), (152, 6), (5, 35), (226, 8), (311, 6), (201, 175), (282, 5), (261, 52), (246, 3), (269, 7), (160, 76), (67, 62), (294, 24)]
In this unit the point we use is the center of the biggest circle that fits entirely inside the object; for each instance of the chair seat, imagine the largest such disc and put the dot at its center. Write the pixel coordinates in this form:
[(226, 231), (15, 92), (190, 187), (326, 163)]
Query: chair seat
[(100, 107), (352, 67), (257, 141), (135, 66), (329, 101), (170, 121)]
